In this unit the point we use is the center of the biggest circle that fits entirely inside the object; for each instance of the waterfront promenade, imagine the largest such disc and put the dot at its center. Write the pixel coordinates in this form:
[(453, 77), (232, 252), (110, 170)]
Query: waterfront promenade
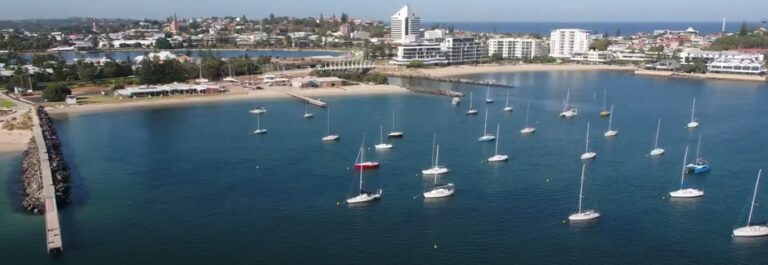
[(53, 240)]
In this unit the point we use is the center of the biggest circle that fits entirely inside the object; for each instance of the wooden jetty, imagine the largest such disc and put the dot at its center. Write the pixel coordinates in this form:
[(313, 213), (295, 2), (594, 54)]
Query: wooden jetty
[(309, 100), (51, 216), (465, 81)]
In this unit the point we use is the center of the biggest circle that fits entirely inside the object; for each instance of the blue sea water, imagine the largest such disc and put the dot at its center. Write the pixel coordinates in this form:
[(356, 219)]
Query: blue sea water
[(626, 28), (191, 185)]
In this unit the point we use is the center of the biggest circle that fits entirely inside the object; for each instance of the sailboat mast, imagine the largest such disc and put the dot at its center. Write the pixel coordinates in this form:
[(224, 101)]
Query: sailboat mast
[(527, 109), (258, 122), (497, 140), (470, 100), (567, 98), (682, 173), (328, 122), (437, 154), (393, 120), (507, 104), (581, 186), (698, 148), (587, 145), (485, 125), (605, 97), (754, 195), (693, 108), (610, 118), (362, 155), (656, 143), (381, 133)]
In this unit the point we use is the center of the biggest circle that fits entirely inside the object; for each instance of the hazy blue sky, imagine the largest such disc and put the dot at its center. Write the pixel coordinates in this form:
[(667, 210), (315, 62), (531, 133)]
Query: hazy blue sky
[(429, 10)]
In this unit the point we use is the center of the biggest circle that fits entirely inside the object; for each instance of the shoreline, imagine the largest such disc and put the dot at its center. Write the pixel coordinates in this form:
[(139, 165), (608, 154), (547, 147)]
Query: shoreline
[(267, 94), (705, 76), (460, 70), (199, 49)]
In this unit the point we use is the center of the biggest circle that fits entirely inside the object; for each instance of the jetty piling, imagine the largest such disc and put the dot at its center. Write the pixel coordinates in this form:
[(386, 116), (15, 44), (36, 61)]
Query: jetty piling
[(309, 100)]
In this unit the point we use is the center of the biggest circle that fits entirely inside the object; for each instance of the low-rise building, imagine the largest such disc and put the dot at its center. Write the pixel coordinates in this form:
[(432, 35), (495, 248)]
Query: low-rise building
[(593, 56), (737, 66), (517, 48), (426, 53), (317, 82), (462, 50), (689, 55)]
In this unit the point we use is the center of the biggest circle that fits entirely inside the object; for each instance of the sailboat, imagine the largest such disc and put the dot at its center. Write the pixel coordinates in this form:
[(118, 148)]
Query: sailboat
[(328, 136), (307, 114), (365, 164), (394, 133), (605, 113), (486, 136), (259, 130), (527, 129), (567, 111), (749, 229), (440, 191), (498, 157), (611, 132), (700, 165), (382, 144), (587, 154), (436, 168), (471, 111), (363, 196), (456, 101), (508, 107), (229, 78), (656, 150), (689, 192), (201, 80), (583, 215), (694, 123), (488, 98)]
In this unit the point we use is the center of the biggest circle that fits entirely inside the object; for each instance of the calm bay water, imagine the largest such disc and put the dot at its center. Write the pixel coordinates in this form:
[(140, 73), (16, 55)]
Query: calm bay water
[(123, 55), (190, 185)]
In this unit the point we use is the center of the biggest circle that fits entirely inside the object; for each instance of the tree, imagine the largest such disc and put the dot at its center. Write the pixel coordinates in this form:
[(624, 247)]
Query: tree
[(416, 64), (163, 44), (344, 18), (271, 18), (618, 33), (86, 71), (600, 45), (743, 30), (56, 93)]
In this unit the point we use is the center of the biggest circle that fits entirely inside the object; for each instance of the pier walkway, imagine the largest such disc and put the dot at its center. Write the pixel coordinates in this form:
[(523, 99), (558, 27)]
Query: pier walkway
[(309, 100), (51, 216)]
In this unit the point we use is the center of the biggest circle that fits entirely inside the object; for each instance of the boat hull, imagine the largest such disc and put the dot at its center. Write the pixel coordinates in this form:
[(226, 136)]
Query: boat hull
[(611, 133), (508, 109), (472, 112), (528, 130), (569, 113), (584, 216), (365, 197), (329, 138), (308, 115), (698, 169), (367, 165), (260, 131), (588, 155), (498, 158), (435, 170), (657, 152), (441, 191), (605, 113), (258, 111), (751, 231), (686, 193), (395, 134), (693, 124), (486, 138), (383, 146)]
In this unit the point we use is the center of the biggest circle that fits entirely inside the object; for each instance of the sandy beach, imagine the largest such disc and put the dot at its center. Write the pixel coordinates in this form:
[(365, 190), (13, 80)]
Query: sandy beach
[(14, 141), (459, 70), (235, 94)]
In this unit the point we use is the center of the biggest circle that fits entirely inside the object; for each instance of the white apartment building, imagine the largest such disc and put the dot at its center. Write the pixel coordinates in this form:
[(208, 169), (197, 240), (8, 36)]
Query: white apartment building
[(462, 50), (564, 43), (518, 48), (435, 34), (405, 25), (689, 54), (737, 66), (592, 57), (427, 53)]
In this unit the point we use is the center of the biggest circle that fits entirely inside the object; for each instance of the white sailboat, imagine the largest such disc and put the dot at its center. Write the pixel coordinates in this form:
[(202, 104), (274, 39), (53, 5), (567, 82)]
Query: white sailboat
[(587, 154), (201, 80), (382, 145), (436, 168), (699, 165), (259, 130), (527, 129), (488, 98), (456, 101), (656, 150), (363, 196), (693, 123), (752, 230), (440, 191), (508, 107), (394, 133), (689, 192), (471, 111), (583, 215), (486, 136), (498, 157), (328, 136), (611, 132), (567, 111), (307, 114), (229, 78)]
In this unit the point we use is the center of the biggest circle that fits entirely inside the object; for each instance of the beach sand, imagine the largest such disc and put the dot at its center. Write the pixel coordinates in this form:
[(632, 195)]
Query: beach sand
[(235, 94), (14, 141)]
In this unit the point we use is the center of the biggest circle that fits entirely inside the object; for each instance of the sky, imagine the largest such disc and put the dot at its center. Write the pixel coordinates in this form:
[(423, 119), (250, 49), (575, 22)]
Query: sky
[(428, 10)]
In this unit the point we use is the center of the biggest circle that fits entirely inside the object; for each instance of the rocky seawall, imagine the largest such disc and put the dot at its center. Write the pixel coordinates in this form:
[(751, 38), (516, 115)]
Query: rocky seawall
[(31, 175)]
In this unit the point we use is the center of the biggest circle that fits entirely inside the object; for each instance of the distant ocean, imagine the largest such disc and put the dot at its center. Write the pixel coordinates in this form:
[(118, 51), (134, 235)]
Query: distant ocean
[(626, 28)]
